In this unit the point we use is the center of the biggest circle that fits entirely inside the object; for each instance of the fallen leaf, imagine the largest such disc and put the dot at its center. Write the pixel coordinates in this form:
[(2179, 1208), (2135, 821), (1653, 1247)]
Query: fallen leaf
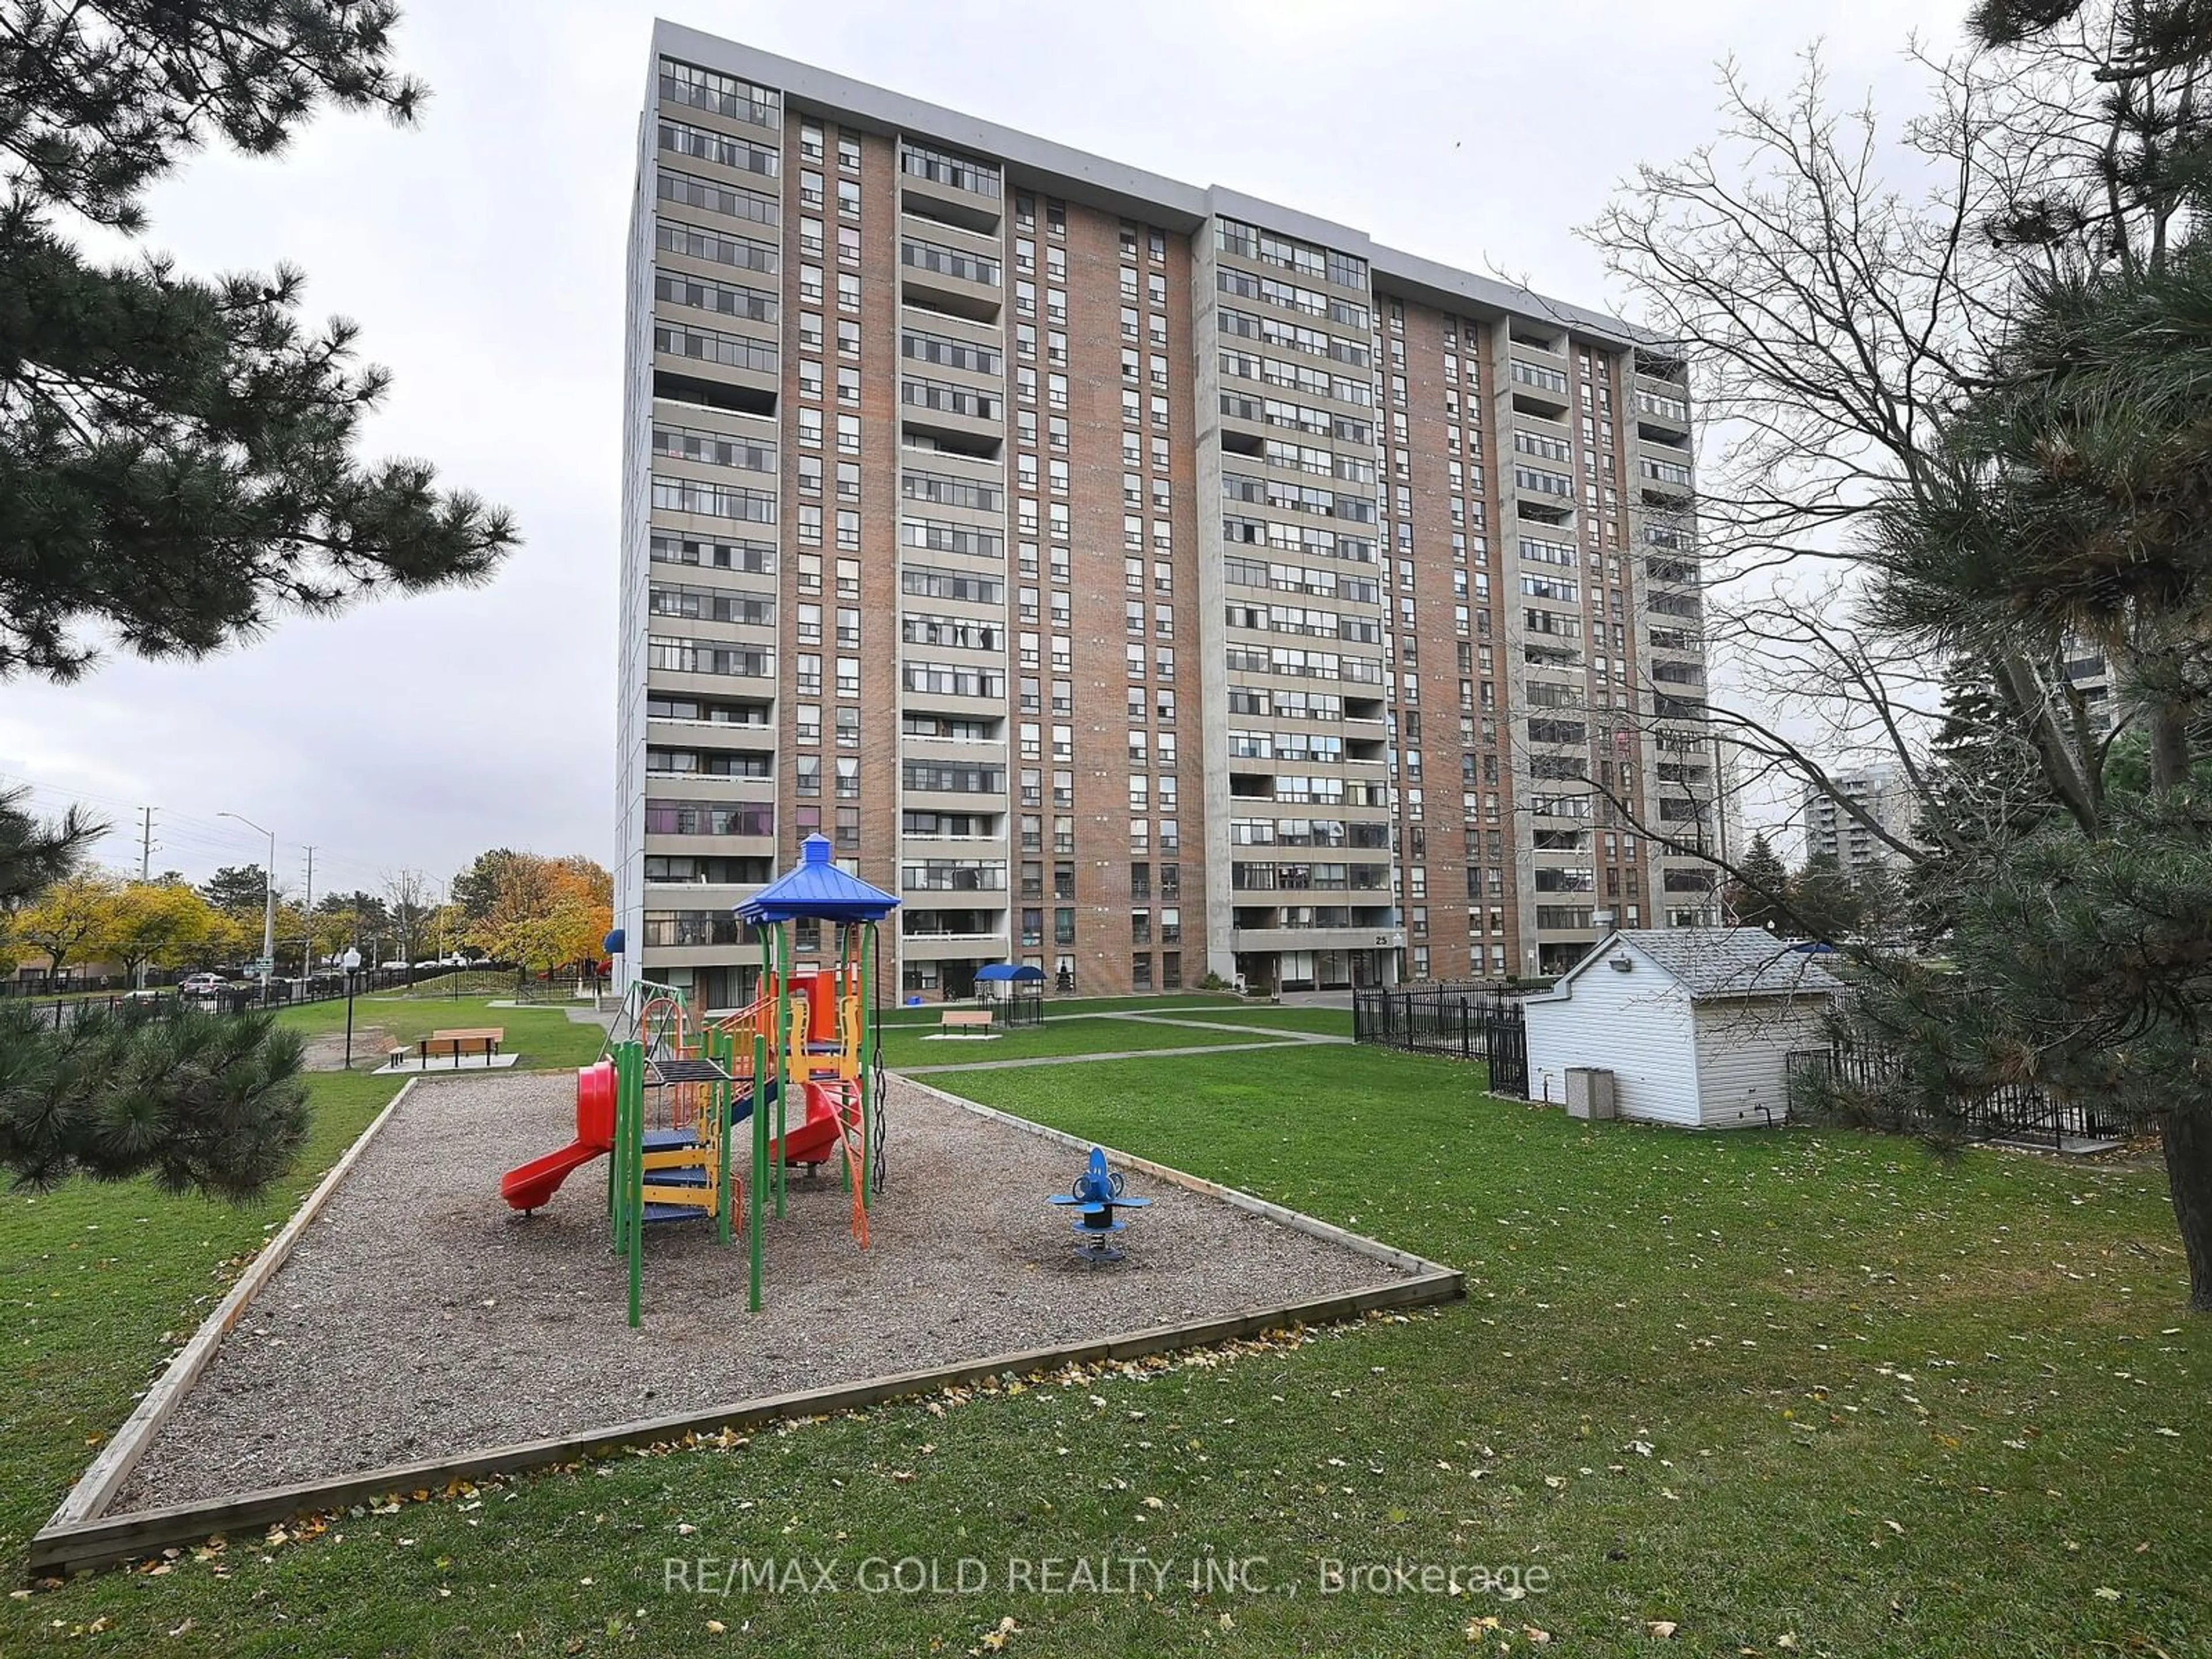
[(1663, 1628), (2107, 1593)]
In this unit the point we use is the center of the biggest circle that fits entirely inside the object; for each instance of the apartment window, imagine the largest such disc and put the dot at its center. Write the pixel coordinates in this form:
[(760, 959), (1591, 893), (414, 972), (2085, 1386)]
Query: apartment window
[(848, 382), (848, 150), (810, 190), (809, 722), (810, 432), (848, 728), (806, 772), (848, 291), (849, 433), (848, 529), (848, 196)]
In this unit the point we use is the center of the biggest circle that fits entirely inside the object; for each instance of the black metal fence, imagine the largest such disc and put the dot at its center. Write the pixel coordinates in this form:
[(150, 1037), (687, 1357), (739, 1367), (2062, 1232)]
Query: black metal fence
[(2008, 1111), (62, 1011), (1464, 1023)]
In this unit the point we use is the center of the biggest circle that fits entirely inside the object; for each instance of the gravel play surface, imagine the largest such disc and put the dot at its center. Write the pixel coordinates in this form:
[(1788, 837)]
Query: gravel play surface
[(419, 1317)]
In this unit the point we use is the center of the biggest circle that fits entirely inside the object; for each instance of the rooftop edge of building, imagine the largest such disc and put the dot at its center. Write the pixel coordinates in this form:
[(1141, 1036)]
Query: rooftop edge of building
[(1099, 181)]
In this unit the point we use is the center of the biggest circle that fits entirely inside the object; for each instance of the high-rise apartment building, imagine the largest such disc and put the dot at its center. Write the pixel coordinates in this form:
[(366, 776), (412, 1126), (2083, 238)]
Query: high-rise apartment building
[(1849, 824), (1144, 581)]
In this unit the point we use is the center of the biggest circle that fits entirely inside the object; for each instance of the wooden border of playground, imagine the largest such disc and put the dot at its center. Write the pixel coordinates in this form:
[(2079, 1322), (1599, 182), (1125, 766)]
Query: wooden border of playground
[(80, 1537)]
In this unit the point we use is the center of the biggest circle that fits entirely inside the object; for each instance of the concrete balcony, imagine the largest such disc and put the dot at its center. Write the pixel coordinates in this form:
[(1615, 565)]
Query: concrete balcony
[(944, 204), (954, 947), (1317, 938), (704, 847), (699, 956)]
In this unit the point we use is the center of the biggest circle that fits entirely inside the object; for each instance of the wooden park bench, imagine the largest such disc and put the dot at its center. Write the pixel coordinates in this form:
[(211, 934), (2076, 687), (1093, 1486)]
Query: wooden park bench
[(965, 1019), (468, 1040)]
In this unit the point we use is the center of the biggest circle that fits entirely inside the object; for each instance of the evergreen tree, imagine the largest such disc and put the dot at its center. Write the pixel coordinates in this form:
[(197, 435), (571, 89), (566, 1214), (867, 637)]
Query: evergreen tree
[(238, 890), (199, 1100), (177, 470), (2064, 507), (1822, 904), (1762, 888), (177, 464)]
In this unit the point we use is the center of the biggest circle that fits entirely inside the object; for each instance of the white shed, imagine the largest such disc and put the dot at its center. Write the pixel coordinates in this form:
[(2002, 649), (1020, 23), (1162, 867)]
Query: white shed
[(1697, 1025)]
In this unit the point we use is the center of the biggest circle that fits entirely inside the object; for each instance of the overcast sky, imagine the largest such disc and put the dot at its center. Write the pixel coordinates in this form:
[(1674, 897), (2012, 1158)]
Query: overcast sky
[(482, 253)]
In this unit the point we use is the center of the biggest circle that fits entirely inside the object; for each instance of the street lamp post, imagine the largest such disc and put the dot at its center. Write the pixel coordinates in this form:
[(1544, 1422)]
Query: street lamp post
[(268, 908), (352, 961)]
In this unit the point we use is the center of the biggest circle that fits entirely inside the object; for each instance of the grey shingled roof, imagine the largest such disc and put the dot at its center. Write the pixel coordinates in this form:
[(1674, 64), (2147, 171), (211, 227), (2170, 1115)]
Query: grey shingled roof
[(1716, 963)]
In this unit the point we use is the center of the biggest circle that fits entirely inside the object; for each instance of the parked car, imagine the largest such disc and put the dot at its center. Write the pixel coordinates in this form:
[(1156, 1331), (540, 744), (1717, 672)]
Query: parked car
[(201, 985)]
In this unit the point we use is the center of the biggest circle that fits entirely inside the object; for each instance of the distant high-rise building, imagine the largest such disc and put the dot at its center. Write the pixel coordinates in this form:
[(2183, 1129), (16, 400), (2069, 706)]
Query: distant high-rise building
[(1143, 580), (1834, 829)]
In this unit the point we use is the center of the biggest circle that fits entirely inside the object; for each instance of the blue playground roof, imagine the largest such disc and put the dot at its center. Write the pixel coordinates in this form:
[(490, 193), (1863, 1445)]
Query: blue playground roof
[(815, 889), (1009, 970)]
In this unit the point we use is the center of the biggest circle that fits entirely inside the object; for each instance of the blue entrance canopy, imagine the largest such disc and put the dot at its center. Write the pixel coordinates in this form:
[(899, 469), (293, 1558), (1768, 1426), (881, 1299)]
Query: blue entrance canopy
[(1008, 970), (814, 889)]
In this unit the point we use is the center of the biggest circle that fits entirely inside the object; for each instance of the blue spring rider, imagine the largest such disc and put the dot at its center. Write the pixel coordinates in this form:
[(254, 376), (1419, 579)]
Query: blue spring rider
[(1097, 1193)]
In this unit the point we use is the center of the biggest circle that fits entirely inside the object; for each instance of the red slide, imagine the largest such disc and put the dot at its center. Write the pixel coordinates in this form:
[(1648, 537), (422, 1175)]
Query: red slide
[(529, 1186), (814, 1140)]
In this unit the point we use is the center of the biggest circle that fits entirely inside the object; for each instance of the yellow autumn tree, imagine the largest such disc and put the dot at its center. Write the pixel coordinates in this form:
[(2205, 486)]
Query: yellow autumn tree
[(68, 923), (543, 913), (159, 924)]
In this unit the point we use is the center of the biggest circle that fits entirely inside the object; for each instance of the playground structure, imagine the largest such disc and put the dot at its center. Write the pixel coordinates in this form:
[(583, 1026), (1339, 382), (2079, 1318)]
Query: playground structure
[(667, 1098), (1097, 1194)]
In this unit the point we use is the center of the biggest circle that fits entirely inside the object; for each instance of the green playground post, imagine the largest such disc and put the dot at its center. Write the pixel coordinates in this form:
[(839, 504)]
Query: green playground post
[(760, 1161), (784, 943)]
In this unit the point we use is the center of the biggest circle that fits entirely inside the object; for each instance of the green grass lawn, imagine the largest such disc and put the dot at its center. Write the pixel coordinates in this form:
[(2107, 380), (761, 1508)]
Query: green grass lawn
[(904, 1046), (546, 1038), (1754, 1385)]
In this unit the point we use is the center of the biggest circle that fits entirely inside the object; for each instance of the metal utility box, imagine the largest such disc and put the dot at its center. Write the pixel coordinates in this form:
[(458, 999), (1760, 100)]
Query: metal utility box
[(1590, 1093)]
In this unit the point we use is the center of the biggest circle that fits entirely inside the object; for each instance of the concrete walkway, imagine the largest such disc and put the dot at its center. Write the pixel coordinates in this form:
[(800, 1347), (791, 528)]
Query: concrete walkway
[(1265, 1038), (1203, 1024), (1086, 1060)]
